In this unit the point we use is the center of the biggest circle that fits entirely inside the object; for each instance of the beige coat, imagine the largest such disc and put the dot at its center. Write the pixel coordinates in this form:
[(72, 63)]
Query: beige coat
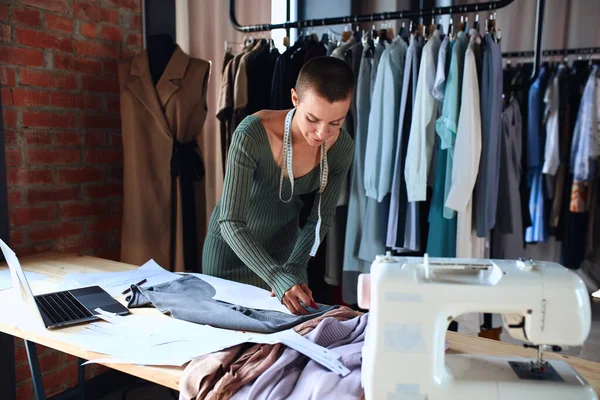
[(151, 119)]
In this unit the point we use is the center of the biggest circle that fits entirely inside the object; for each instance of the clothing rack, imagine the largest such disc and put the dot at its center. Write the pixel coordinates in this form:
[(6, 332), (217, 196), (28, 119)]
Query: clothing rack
[(556, 52), (406, 14)]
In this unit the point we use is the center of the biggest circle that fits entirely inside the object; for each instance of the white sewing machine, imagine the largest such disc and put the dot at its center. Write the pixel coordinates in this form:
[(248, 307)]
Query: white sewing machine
[(413, 300)]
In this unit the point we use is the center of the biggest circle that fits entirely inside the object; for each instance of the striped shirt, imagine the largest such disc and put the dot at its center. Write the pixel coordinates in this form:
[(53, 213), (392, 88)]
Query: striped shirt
[(254, 237)]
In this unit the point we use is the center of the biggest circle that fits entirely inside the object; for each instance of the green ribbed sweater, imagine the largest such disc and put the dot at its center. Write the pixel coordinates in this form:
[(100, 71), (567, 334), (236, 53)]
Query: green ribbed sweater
[(254, 237)]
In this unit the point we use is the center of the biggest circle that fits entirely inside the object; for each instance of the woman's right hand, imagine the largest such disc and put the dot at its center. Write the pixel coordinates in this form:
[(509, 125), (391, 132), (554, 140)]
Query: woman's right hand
[(295, 295)]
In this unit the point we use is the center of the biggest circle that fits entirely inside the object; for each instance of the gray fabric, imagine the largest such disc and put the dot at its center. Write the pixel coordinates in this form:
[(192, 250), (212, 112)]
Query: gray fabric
[(486, 187), (507, 236), (292, 376), (189, 298), (358, 198)]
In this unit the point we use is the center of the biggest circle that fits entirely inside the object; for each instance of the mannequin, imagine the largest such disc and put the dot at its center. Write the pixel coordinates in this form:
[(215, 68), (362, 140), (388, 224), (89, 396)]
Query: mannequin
[(160, 49)]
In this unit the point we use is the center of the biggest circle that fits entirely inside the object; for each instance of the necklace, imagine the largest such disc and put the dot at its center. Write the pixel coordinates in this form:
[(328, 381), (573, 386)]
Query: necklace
[(286, 162)]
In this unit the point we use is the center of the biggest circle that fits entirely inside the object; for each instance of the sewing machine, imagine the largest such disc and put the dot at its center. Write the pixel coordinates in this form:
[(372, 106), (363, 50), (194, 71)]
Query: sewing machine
[(413, 300)]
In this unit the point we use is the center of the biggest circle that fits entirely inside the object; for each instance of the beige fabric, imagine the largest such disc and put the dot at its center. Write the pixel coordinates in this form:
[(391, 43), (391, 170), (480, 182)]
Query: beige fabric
[(150, 118), (220, 375), (209, 29)]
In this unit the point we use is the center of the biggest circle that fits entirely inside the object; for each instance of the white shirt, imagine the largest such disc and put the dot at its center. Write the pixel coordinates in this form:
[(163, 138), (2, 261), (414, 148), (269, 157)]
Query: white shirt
[(422, 129), (467, 153), (551, 151)]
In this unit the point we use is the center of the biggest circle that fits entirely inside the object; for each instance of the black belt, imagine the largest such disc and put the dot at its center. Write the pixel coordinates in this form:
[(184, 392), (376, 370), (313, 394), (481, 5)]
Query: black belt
[(188, 165)]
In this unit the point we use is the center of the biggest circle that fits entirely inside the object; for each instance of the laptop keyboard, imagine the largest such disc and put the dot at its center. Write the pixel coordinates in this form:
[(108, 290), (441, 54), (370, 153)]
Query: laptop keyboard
[(62, 307)]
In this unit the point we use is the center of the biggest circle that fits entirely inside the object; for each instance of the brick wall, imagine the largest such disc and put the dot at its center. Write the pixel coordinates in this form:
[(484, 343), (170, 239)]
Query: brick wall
[(58, 74)]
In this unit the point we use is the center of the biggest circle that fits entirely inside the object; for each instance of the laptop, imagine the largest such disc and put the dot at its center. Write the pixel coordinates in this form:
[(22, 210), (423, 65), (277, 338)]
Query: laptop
[(65, 308)]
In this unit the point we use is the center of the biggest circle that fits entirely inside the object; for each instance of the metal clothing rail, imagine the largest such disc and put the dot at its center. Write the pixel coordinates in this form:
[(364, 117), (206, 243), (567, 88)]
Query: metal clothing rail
[(556, 52), (385, 16)]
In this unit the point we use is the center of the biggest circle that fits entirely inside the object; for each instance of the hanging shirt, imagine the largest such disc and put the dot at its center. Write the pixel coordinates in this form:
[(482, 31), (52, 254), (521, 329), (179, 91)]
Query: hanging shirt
[(467, 153), (448, 121), (422, 130), (398, 206), (383, 121), (552, 151), (439, 85), (537, 231)]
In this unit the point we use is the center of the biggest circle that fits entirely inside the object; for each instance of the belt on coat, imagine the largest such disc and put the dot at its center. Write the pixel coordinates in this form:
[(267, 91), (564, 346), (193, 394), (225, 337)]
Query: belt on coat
[(187, 164)]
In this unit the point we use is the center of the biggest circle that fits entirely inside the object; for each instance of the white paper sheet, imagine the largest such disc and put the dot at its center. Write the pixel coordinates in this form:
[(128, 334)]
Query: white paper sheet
[(5, 278), (242, 294), (116, 282)]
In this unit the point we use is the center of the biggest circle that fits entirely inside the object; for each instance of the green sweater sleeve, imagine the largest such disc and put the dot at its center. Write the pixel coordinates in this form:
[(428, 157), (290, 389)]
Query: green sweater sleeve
[(237, 189), (298, 260)]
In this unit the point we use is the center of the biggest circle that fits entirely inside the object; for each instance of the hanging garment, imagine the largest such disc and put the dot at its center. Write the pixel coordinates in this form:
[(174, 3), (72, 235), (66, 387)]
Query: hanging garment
[(161, 126), (259, 69), (446, 124), (353, 265), (189, 298), (486, 187), (507, 235), (422, 130), (383, 125), (293, 376), (467, 153), (253, 236), (439, 85), (537, 232), (551, 150), (398, 198), (225, 106)]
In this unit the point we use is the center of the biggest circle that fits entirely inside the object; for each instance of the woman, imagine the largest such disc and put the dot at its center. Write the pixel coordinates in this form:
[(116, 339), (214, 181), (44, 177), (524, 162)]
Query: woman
[(253, 235)]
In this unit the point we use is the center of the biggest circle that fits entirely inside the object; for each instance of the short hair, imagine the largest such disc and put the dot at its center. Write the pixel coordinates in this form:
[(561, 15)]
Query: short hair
[(330, 77)]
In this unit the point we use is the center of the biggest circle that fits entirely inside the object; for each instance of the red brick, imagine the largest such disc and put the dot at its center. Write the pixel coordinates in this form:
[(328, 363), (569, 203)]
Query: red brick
[(25, 389), (88, 30), (101, 85), (13, 157), (87, 48), (94, 139), (4, 11), (9, 117), (22, 371), (8, 77), (116, 139), (54, 231), (81, 175), (116, 173), (53, 194), (58, 23), (5, 33), (100, 121), (129, 4), (15, 197), (28, 176), (78, 64), (86, 245), (103, 156), (68, 100), (111, 68), (47, 79), (136, 22), (110, 254), (10, 138), (27, 16), (117, 208), (19, 56), (66, 139), (106, 224), (92, 12), (60, 379), (111, 33), (44, 40), (16, 240), (53, 157), (50, 5), (113, 105), (134, 39), (103, 190), (48, 119), (37, 138), (29, 98), (7, 97), (79, 210), (29, 215)]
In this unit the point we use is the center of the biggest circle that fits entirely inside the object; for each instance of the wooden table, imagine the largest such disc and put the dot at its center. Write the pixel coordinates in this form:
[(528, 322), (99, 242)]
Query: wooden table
[(57, 265)]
